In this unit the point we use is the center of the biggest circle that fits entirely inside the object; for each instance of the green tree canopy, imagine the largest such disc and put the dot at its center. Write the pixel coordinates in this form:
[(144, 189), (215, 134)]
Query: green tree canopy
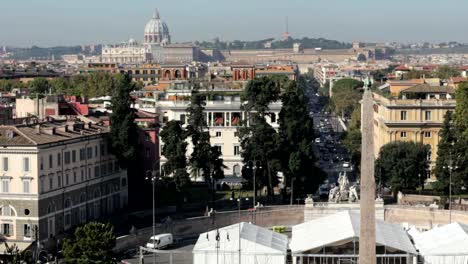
[(353, 138), (296, 135), (92, 243), (124, 132), (175, 149), (259, 93), (402, 165), (39, 86), (346, 96), (446, 72)]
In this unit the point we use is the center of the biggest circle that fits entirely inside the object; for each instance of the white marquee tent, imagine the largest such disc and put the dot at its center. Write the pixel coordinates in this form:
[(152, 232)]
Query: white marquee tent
[(258, 245), (443, 245), (342, 228)]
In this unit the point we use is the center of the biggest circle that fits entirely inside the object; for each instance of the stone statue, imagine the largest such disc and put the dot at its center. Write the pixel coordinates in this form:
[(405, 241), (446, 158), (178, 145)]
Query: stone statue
[(343, 181), (353, 195), (334, 192)]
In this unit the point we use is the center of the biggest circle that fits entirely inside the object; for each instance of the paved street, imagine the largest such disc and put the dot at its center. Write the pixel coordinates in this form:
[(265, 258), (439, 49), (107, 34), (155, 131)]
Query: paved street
[(180, 253)]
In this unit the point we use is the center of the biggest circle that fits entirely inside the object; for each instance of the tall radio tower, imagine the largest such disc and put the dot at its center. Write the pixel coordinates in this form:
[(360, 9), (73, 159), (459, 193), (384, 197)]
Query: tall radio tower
[(286, 33)]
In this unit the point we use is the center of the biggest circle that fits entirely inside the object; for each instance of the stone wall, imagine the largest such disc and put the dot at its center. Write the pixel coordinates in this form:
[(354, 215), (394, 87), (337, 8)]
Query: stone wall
[(192, 227), (318, 210), (422, 217)]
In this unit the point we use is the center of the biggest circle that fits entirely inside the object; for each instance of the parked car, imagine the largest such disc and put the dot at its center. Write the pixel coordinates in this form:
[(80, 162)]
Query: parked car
[(317, 140), (346, 164), (160, 241)]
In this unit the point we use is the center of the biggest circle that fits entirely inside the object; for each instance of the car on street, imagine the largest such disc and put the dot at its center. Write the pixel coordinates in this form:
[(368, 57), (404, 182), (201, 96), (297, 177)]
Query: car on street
[(160, 241), (317, 140), (346, 164)]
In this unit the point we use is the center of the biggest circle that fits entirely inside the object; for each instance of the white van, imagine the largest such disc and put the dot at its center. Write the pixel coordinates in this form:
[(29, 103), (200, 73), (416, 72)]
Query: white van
[(160, 241)]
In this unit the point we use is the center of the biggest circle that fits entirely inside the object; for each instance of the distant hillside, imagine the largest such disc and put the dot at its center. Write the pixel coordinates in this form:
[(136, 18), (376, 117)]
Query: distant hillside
[(463, 49), (307, 43), (35, 52)]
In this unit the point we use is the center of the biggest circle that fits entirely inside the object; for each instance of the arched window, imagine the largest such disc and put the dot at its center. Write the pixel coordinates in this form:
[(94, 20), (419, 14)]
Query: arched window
[(236, 170), (50, 208), (7, 210), (68, 205), (83, 198), (177, 74)]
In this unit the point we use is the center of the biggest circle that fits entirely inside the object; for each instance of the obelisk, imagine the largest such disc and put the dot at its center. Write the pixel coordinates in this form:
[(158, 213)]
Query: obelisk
[(367, 231)]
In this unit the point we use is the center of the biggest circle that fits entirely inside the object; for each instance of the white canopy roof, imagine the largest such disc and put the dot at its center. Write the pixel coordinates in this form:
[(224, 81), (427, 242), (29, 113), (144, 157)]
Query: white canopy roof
[(254, 239), (343, 227), (450, 239)]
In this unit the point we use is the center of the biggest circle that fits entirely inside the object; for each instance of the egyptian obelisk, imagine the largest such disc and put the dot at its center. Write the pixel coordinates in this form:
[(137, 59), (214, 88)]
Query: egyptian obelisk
[(367, 231)]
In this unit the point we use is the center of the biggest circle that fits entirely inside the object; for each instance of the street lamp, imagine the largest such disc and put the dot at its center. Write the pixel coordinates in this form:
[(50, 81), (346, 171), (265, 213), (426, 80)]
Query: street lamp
[(153, 179), (292, 190), (450, 167), (239, 200), (254, 168)]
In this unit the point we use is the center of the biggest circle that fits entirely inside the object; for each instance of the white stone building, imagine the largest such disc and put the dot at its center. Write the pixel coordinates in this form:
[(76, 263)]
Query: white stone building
[(223, 115), (54, 176)]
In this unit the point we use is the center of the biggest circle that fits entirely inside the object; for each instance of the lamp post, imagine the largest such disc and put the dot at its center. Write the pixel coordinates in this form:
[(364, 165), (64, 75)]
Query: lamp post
[(450, 167), (292, 190), (239, 200), (153, 181), (254, 169)]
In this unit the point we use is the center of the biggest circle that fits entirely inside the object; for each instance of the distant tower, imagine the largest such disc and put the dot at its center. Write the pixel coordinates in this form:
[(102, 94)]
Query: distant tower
[(286, 33)]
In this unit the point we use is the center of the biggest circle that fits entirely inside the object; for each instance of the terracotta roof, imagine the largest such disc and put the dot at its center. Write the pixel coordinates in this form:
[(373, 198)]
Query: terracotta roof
[(426, 88), (157, 87), (402, 68), (459, 79)]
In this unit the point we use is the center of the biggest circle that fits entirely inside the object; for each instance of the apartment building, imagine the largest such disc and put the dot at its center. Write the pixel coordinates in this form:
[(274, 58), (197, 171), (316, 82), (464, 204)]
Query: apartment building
[(418, 115), (223, 115), (54, 176)]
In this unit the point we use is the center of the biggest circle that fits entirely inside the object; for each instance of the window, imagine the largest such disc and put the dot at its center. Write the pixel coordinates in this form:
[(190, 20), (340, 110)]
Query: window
[(429, 155), (219, 148), (5, 211), (103, 150), (236, 170), (42, 163), (218, 133), (67, 180), (236, 150), (182, 119), (236, 134), (147, 137), (67, 157), (27, 230), (427, 134), (42, 185), (73, 155), (5, 186), (427, 115), (51, 161), (403, 134), (59, 159), (74, 177), (96, 171), (5, 163), (82, 154), (90, 152), (59, 181), (7, 229), (147, 152), (403, 115), (82, 175), (95, 151), (83, 214), (273, 117), (51, 183), (26, 164), (26, 185), (89, 173)]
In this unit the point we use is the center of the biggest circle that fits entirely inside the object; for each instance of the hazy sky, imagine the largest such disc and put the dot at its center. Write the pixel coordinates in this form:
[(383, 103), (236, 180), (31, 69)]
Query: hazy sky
[(67, 22)]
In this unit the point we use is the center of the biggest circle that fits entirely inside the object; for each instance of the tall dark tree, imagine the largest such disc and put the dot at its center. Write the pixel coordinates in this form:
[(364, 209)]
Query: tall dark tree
[(346, 96), (402, 165), (39, 87), (124, 131), (174, 150), (296, 133), (353, 138), (92, 243)]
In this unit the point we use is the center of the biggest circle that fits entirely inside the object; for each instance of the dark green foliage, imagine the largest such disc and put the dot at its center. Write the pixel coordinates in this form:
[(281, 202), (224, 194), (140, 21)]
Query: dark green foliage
[(282, 44), (401, 165), (8, 85), (296, 135), (353, 137), (452, 152), (174, 149), (92, 243), (204, 157), (39, 86), (461, 110), (260, 92), (124, 131), (346, 96), (446, 72)]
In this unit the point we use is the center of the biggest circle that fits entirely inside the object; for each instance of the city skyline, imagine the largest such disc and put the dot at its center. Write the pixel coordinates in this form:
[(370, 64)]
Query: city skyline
[(107, 21)]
